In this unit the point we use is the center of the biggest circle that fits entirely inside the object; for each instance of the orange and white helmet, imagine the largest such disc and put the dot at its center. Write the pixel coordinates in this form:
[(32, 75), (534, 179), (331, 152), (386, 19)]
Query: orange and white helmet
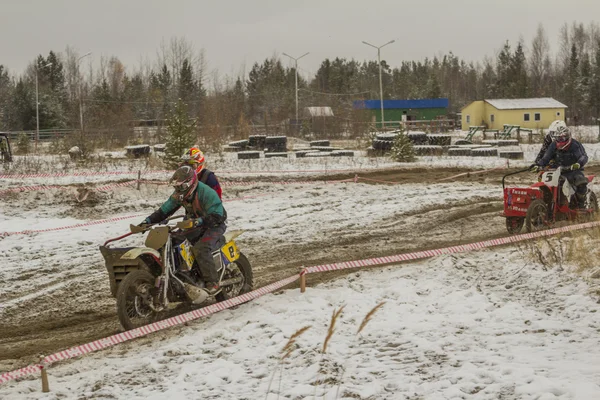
[(195, 157)]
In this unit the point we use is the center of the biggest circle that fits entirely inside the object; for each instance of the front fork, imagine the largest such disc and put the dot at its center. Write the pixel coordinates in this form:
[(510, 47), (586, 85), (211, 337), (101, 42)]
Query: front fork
[(162, 281)]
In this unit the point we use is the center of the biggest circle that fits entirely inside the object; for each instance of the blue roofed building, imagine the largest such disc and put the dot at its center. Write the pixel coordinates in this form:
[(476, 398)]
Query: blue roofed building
[(404, 110)]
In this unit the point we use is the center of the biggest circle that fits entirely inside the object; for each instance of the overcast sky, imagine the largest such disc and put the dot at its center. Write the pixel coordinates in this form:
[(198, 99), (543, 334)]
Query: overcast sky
[(240, 32)]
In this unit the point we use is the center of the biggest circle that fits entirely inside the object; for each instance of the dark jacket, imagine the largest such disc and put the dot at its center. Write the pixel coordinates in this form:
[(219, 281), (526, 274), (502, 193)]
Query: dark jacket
[(208, 177), (565, 158), (205, 204), (544, 149)]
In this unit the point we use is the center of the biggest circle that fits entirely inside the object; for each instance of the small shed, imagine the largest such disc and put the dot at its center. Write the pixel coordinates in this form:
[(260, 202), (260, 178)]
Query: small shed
[(532, 113), (320, 118)]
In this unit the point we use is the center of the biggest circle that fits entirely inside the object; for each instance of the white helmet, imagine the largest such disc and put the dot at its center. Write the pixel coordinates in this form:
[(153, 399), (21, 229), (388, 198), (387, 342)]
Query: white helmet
[(557, 127)]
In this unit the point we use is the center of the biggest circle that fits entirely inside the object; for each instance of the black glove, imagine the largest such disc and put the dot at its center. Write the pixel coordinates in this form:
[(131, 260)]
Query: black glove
[(534, 168)]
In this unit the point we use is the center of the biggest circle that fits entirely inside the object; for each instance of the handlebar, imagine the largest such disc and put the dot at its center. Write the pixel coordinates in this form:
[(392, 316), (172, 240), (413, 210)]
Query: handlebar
[(138, 229), (117, 238), (569, 168), (513, 173)]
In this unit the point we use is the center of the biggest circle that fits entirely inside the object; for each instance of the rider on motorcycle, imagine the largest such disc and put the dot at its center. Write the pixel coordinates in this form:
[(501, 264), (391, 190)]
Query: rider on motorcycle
[(549, 138), (567, 152), (195, 158), (205, 215)]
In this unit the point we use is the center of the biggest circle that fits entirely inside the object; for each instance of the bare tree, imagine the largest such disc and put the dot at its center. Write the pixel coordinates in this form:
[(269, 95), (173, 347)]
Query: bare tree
[(173, 54), (564, 48), (539, 60)]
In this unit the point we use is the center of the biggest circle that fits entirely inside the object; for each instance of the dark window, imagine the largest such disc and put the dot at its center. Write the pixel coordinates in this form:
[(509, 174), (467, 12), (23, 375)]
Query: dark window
[(526, 117), (537, 116), (468, 119), (492, 118)]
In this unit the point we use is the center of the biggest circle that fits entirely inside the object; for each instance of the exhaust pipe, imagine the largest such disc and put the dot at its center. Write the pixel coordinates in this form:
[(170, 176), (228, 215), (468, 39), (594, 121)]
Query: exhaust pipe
[(197, 295)]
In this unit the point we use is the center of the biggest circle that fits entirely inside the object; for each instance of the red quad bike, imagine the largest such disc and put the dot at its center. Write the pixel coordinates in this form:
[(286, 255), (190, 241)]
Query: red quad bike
[(542, 204)]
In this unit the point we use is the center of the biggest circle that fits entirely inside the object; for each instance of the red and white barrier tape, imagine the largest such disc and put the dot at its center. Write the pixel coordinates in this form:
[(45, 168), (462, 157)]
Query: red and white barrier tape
[(105, 221), (203, 312), (370, 262), (80, 225), (106, 188), (166, 171), (145, 330), (33, 188), (474, 172), (83, 173)]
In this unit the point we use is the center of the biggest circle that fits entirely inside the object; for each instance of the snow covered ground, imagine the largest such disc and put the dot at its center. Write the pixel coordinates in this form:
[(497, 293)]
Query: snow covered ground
[(228, 167), (486, 325), (282, 214)]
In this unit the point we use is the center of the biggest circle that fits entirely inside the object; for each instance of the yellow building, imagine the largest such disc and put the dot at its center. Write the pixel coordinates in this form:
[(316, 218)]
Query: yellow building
[(534, 113)]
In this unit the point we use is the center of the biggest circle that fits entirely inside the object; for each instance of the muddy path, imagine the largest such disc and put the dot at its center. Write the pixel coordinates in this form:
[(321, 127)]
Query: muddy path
[(48, 323)]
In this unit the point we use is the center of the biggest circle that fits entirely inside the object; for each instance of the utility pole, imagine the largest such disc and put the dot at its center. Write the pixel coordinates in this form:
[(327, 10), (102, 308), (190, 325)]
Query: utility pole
[(80, 95), (380, 80), (296, 69)]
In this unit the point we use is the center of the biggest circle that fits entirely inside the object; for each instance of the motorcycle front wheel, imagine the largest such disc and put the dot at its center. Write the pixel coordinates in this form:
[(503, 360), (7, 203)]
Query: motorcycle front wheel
[(134, 298), (241, 268)]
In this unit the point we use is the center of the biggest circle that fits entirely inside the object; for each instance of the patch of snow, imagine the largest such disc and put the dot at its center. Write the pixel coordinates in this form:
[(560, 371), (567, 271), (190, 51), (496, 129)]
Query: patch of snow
[(484, 325)]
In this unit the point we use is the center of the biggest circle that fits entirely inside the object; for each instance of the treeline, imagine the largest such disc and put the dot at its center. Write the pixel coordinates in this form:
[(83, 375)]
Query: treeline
[(113, 96)]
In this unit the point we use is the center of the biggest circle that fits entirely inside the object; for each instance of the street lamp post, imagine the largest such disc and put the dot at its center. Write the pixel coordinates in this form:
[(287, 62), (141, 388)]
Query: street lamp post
[(79, 87), (380, 81), (296, 69), (37, 105)]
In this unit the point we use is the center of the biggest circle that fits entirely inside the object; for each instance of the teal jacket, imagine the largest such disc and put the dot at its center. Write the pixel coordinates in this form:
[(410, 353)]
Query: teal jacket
[(206, 206)]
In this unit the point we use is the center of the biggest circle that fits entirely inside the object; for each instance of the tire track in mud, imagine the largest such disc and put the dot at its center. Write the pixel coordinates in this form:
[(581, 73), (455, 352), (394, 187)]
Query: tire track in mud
[(85, 311), (23, 340)]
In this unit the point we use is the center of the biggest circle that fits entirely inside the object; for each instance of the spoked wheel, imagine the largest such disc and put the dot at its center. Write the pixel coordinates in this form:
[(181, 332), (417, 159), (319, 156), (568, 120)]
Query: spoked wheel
[(591, 209), (239, 269), (537, 216), (134, 298), (592, 204), (514, 224)]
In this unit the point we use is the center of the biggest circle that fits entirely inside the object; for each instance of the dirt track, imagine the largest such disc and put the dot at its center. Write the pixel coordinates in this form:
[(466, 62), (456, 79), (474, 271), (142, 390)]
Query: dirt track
[(87, 311)]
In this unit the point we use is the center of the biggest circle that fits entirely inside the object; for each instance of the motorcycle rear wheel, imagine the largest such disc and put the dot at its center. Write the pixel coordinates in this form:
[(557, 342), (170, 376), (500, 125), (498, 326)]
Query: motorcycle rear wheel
[(537, 216), (133, 298)]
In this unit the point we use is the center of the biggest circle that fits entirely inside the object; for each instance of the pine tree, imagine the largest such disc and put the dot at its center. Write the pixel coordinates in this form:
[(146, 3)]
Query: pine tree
[(584, 87), (595, 84), (570, 87), (518, 73), (433, 87), (187, 85), (6, 90), (180, 134), (402, 149), (503, 72)]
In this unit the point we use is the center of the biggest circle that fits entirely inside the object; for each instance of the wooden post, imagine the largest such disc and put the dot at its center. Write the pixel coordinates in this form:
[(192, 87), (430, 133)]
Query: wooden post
[(45, 384), (138, 180), (302, 283), (519, 134)]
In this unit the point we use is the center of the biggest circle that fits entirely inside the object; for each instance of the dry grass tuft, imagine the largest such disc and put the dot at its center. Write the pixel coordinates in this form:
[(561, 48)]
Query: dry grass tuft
[(368, 317), (287, 350), (579, 249), (334, 316)]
